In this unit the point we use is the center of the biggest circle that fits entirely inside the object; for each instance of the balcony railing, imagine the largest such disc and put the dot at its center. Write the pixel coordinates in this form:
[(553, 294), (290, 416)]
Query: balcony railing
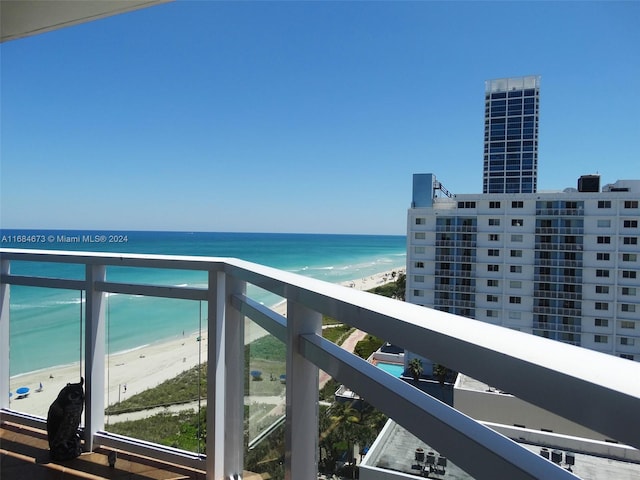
[(581, 381)]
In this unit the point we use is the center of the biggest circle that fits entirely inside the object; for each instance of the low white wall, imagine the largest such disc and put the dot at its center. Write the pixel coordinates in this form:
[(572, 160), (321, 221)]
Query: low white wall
[(508, 410), (388, 357), (569, 443)]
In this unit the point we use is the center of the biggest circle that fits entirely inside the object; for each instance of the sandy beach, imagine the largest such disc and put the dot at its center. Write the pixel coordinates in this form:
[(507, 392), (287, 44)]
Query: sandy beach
[(134, 371)]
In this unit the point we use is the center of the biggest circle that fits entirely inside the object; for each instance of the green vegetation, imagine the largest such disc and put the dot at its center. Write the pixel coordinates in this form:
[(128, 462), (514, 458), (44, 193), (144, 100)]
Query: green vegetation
[(394, 289), (337, 333), (365, 347), (187, 387), (416, 369), (185, 429)]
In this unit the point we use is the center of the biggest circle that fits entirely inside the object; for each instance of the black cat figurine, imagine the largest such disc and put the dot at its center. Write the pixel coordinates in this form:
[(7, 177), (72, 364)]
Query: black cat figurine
[(63, 421)]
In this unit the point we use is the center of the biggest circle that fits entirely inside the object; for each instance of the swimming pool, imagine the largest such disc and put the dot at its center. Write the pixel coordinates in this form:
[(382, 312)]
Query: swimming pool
[(394, 369)]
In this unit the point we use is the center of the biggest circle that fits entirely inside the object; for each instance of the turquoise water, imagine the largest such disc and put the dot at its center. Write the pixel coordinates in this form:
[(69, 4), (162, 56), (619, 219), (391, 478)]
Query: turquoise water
[(391, 368), (46, 327)]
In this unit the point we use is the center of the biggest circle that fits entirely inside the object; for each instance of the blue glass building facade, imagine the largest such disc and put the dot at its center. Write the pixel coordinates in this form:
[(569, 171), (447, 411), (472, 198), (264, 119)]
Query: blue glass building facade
[(511, 135)]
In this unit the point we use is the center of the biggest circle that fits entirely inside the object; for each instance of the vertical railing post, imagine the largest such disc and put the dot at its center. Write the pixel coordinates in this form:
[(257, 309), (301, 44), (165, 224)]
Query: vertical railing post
[(5, 344), (301, 424), (234, 403), (216, 376), (94, 376)]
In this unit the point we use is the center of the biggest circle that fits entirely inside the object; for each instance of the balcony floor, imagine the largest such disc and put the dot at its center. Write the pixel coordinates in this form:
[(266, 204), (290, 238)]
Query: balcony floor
[(24, 453)]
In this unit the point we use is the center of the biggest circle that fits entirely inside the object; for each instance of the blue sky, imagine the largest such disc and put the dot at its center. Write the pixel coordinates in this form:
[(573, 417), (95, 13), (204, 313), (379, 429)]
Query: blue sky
[(301, 116)]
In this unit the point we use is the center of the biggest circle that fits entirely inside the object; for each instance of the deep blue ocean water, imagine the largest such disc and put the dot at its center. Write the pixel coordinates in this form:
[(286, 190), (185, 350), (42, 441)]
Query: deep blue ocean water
[(45, 323)]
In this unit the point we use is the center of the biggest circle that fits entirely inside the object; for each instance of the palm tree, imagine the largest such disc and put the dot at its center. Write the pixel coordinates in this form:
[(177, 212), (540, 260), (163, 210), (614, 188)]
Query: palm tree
[(440, 372), (415, 369)]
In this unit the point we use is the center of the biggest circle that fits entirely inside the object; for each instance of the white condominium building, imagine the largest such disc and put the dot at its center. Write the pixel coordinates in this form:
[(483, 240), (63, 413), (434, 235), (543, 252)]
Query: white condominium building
[(562, 265)]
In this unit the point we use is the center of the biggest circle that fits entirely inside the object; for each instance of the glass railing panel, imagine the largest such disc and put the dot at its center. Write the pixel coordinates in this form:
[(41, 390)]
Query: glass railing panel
[(46, 345), (156, 370), (264, 400)]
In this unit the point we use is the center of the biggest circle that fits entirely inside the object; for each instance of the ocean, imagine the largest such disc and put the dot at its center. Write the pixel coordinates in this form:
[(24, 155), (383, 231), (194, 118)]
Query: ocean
[(46, 325)]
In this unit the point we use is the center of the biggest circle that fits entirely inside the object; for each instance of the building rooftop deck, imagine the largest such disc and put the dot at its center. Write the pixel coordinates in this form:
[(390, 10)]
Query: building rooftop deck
[(397, 453)]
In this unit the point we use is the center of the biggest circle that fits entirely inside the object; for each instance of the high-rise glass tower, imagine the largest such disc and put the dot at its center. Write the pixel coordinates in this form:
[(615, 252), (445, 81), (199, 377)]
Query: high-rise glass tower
[(511, 135)]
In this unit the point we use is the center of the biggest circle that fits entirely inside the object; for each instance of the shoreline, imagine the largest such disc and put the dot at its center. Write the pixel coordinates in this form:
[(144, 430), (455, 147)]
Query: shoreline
[(137, 369)]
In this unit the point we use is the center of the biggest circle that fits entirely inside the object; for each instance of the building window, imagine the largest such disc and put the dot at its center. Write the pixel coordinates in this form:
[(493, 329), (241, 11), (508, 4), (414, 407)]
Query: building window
[(494, 252), (516, 253), (494, 222), (517, 204), (492, 298), (492, 282), (517, 222), (602, 289), (418, 278), (604, 239), (602, 273), (629, 291), (494, 204), (629, 257), (628, 274), (600, 339), (419, 250), (602, 256), (494, 237), (515, 268), (602, 306), (630, 224), (627, 324), (627, 356), (418, 293), (421, 221), (515, 284), (492, 313), (515, 300), (630, 240), (418, 264), (628, 307), (604, 223), (604, 203), (516, 238), (515, 315), (601, 322), (466, 204), (493, 268), (627, 341), (630, 204), (420, 235)]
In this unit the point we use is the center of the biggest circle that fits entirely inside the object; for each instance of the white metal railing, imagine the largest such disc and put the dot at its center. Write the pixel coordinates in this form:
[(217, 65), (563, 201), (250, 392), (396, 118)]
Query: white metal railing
[(599, 391)]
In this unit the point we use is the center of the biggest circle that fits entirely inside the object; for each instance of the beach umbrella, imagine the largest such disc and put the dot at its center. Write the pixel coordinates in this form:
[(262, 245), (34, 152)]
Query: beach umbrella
[(22, 391)]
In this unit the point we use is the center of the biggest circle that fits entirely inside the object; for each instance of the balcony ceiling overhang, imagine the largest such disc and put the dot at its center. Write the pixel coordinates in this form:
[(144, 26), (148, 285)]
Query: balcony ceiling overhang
[(23, 18)]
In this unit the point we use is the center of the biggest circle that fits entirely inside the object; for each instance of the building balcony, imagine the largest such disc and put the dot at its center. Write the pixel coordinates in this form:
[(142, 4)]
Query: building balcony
[(565, 312), (556, 294), (456, 243), (557, 327), (563, 247), (583, 381), (547, 262), (559, 231), (559, 212), (558, 279)]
